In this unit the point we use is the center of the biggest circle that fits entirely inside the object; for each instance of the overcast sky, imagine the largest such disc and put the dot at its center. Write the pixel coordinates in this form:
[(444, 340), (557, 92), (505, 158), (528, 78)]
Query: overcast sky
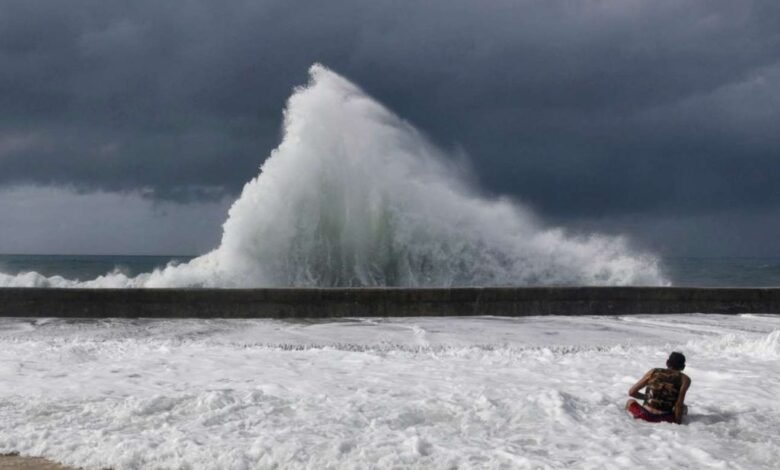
[(129, 126)]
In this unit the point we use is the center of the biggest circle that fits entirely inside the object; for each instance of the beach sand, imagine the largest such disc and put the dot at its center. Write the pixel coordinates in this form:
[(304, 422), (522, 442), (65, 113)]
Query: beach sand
[(18, 462)]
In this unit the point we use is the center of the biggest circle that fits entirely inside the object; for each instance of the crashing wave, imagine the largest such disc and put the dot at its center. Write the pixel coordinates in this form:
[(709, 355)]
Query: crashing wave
[(355, 196)]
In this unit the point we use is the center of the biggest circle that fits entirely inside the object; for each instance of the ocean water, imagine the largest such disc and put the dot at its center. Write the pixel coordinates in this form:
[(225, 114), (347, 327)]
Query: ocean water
[(406, 393), (681, 271), (85, 267), (723, 272)]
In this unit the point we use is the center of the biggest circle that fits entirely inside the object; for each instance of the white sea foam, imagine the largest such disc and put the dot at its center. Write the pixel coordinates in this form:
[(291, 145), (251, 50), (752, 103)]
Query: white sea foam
[(478, 393), (355, 196)]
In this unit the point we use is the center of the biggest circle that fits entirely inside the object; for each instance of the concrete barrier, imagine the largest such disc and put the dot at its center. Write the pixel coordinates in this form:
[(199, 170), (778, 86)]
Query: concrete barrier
[(381, 302)]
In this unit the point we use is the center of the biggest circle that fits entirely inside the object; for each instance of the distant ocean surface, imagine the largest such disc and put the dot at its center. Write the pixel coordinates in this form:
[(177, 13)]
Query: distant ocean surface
[(84, 267), (705, 272)]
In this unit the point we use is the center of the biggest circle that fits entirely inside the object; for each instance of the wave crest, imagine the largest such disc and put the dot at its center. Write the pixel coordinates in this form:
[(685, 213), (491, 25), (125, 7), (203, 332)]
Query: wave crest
[(355, 196)]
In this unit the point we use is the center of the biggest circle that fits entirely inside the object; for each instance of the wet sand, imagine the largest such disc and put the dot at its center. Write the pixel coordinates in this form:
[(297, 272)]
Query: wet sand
[(17, 462)]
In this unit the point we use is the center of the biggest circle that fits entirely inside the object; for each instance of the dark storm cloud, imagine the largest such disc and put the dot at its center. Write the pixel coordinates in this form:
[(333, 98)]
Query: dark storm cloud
[(579, 108)]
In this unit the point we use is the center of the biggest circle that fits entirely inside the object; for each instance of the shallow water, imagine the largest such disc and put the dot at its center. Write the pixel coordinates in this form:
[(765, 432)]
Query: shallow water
[(485, 392)]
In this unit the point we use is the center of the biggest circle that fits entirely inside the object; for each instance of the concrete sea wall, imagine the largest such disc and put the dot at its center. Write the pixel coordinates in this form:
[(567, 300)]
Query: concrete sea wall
[(390, 302)]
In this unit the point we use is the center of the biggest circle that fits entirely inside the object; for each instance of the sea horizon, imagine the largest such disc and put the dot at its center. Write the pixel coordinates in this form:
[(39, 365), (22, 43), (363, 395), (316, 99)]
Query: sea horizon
[(688, 271)]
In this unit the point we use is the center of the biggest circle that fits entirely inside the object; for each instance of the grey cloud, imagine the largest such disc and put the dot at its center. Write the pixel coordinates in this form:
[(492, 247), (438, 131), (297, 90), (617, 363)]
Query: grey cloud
[(583, 109), (726, 233), (64, 221)]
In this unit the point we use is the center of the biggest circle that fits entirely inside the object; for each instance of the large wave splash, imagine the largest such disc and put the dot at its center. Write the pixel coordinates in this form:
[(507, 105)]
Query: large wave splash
[(355, 196)]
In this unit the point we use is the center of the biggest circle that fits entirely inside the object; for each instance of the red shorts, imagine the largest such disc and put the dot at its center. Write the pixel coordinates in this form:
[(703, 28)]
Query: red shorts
[(638, 412)]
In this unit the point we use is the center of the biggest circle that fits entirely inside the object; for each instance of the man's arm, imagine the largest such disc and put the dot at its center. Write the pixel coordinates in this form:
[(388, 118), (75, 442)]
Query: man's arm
[(680, 405), (634, 391)]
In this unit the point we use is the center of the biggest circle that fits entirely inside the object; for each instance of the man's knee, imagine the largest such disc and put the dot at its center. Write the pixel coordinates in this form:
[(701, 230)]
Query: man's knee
[(629, 402)]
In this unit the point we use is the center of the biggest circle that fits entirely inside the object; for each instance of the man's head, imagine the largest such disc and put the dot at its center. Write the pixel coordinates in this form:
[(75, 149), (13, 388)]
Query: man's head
[(676, 361)]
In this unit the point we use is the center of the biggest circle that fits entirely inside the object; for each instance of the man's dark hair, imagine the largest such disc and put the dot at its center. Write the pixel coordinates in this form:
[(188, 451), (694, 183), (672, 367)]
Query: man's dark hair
[(676, 361)]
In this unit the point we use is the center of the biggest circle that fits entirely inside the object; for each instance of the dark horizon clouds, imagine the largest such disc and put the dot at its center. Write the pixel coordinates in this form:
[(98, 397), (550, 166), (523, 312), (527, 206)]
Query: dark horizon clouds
[(592, 112)]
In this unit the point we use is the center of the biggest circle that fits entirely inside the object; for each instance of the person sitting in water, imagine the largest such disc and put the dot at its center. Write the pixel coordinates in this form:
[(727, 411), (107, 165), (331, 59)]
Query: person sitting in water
[(664, 400)]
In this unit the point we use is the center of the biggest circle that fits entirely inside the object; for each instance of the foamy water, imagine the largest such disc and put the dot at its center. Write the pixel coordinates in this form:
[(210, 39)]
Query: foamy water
[(386, 393), (355, 196)]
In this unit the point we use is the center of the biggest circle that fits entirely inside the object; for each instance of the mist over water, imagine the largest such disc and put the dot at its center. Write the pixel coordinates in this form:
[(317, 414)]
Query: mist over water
[(355, 196)]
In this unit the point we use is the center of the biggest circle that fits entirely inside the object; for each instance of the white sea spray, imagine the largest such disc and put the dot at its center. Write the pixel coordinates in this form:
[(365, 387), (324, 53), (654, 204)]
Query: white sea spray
[(355, 196)]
